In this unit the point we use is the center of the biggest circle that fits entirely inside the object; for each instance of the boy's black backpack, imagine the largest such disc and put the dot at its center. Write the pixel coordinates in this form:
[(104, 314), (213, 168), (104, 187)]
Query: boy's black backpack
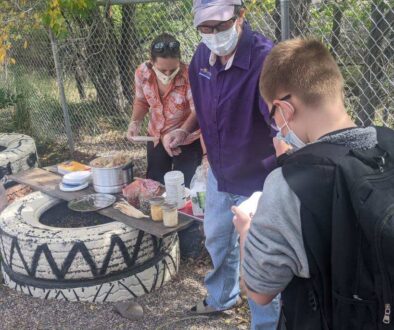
[(347, 214)]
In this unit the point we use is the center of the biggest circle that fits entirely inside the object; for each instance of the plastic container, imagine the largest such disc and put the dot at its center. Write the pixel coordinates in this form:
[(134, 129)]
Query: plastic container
[(198, 202), (170, 215), (175, 188), (156, 210), (198, 189)]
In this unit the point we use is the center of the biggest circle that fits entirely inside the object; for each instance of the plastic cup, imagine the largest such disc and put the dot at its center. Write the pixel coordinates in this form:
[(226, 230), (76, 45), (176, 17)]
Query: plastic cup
[(175, 188)]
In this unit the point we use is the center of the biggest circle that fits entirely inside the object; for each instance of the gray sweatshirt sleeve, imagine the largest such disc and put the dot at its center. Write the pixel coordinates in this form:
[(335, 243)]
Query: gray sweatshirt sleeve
[(274, 249)]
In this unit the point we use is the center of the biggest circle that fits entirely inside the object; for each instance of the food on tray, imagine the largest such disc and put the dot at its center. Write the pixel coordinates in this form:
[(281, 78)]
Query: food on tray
[(129, 210), (142, 190), (91, 202), (71, 166), (118, 159)]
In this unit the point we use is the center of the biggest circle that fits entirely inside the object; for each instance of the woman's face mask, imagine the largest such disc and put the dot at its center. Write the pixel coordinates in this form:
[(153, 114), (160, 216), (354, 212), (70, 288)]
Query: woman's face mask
[(221, 43), (163, 78)]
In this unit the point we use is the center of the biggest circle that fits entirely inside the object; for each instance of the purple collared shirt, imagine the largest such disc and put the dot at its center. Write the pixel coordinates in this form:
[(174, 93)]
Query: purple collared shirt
[(232, 115)]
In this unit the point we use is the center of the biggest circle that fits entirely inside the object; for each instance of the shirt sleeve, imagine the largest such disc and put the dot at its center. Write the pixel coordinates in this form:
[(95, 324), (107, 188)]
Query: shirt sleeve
[(189, 98), (140, 100), (274, 250)]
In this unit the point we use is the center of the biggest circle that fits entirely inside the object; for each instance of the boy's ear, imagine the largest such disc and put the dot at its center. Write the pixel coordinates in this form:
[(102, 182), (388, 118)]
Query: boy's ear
[(287, 110)]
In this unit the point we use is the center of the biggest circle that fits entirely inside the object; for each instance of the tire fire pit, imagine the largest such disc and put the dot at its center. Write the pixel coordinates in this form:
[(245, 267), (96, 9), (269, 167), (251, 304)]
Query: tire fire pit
[(51, 252), (17, 153)]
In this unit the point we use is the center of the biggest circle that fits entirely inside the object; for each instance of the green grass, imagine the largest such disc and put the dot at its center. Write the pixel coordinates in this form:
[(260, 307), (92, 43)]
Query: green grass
[(39, 105)]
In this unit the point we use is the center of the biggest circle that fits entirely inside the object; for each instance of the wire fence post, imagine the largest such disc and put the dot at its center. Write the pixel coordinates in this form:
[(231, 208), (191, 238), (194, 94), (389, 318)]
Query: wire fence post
[(285, 19), (63, 101)]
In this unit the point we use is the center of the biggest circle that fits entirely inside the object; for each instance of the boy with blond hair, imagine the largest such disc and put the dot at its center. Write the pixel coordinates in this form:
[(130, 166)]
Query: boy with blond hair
[(287, 247)]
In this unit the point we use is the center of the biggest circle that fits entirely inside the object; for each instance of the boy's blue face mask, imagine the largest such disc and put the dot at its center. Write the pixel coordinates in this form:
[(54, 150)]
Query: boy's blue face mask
[(290, 138)]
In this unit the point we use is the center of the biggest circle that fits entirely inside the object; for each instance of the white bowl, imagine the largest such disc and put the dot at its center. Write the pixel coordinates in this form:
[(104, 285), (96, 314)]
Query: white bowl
[(76, 178), (64, 187)]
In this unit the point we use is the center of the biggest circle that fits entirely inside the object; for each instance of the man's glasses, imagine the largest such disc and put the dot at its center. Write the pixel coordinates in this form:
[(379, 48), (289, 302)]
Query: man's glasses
[(222, 26), (273, 110), (161, 46)]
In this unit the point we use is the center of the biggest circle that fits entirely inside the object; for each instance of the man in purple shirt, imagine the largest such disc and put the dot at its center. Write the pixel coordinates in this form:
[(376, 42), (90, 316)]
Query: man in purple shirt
[(224, 77)]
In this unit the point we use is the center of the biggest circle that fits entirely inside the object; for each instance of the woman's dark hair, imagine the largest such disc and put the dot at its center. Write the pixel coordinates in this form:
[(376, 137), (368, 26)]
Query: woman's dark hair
[(166, 46)]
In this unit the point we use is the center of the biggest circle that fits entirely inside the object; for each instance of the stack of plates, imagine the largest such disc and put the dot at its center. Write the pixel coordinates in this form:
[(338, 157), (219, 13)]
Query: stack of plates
[(75, 181)]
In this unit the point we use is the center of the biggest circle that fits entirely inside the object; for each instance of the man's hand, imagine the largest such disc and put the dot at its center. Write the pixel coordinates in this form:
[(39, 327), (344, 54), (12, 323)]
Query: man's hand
[(172, 141), (241, 221), (133, 129), (281, 147)]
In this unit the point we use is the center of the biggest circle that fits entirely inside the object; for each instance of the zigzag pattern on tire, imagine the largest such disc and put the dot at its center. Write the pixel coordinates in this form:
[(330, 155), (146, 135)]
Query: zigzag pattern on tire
[(109, 262), (80, 247), (112, 290)]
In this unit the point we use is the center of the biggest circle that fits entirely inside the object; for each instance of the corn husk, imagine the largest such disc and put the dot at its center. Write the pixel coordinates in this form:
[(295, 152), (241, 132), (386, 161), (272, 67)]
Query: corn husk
[(130, 210)]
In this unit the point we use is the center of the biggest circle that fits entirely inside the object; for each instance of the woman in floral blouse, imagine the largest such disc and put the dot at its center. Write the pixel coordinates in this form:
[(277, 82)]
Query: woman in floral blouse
[(162, 89)]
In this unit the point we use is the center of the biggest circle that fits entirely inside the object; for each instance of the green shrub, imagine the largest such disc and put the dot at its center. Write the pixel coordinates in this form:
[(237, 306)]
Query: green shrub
[(7, 98)]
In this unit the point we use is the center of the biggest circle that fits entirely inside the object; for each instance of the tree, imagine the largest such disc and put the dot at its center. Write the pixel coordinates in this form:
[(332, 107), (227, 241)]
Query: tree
[(380, 33), (128, 48), (101, 59), (336, 28), (299, 17)]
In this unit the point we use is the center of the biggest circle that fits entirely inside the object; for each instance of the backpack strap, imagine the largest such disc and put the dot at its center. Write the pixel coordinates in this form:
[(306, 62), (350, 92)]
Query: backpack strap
[(310, 174)]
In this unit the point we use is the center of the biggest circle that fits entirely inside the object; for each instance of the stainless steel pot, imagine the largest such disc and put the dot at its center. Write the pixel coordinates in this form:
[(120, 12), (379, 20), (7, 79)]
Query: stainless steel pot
[(111, 180)]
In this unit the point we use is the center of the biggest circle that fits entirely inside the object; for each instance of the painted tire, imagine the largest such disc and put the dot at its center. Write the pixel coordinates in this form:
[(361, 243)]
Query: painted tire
[(109, 262), (19, 153)]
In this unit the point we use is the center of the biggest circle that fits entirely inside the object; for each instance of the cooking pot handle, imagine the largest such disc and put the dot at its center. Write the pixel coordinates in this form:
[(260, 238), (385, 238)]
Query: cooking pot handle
[(129, 168)]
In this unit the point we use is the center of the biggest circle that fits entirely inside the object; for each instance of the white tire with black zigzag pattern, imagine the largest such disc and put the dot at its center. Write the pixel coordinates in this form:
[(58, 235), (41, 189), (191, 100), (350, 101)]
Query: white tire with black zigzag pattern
[(17, 153), (109, 262)]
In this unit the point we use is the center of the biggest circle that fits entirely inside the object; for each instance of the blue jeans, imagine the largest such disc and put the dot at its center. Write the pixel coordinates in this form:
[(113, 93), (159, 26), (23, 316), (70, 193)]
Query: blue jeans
[(222, 282)]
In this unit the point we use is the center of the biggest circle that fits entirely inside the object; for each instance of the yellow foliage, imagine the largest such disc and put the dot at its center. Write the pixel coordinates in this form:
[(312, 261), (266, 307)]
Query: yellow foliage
[(3, 54), (16, 18)]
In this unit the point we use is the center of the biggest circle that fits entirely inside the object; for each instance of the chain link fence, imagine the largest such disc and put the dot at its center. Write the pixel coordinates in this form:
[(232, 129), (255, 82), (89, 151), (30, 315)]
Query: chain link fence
[(100, 52)]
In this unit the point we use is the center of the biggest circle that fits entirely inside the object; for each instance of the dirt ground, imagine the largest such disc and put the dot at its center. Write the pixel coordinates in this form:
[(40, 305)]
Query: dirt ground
[(166, 308)]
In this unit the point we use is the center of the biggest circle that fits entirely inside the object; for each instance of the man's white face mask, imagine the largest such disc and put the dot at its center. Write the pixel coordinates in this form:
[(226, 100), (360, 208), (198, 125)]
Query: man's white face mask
[(221, 43), (164, 79)]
